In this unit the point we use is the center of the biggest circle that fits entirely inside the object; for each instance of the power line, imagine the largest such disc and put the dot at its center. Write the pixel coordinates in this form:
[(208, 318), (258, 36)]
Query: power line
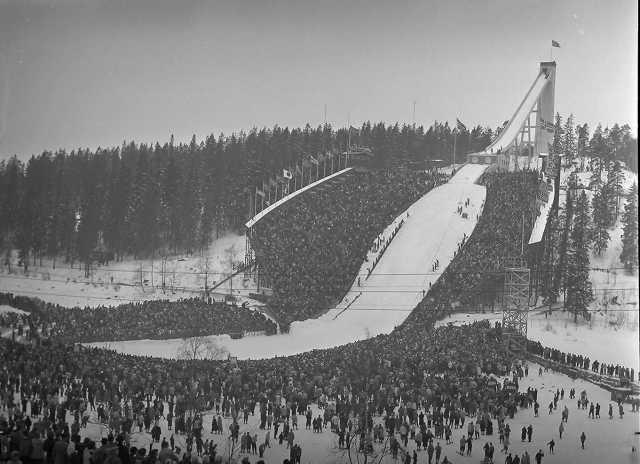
[(362, 289), (380, 308), (457, 272)]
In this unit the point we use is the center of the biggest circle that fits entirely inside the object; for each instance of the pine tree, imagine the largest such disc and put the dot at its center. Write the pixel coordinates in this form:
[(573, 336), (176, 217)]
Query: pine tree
[(598, 148), (558, 142), (595, 181), (569, 139), (629, 255), (551, 280), (579, 289), (615, 177), (600, 205), (565, 221), (583, 140)]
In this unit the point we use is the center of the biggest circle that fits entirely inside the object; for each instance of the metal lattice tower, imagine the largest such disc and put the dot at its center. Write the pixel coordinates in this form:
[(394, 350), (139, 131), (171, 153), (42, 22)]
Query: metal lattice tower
[(516, 305)]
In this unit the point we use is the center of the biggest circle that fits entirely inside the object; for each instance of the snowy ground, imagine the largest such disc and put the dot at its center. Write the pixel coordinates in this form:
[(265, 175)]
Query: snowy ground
[(608, 440), (432, 231), (597, 340), (128, 280)]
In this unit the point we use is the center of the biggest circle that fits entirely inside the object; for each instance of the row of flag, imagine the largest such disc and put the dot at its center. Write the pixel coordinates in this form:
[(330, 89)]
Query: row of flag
[(288, 175)]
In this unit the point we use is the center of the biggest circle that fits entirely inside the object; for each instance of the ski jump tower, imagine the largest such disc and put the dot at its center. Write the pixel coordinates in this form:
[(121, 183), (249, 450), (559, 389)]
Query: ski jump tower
[(529, 131)]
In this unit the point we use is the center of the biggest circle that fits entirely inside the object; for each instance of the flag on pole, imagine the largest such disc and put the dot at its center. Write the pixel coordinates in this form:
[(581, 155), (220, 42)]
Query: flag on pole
[(555, 44)]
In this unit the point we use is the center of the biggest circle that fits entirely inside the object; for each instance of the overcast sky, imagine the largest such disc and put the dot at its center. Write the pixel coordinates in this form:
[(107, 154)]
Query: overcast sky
[(91, 72)]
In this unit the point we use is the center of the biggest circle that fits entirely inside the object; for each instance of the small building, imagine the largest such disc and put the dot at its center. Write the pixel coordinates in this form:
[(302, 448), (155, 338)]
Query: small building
[(500, 160)]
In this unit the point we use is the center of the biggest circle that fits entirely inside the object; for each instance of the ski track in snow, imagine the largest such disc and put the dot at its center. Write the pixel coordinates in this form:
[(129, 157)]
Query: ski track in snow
[(432, 231)]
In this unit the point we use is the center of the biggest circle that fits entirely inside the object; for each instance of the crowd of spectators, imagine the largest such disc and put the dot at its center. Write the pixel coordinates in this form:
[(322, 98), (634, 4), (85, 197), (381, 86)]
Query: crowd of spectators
[(157, 319), (311, 248), (581, 362)]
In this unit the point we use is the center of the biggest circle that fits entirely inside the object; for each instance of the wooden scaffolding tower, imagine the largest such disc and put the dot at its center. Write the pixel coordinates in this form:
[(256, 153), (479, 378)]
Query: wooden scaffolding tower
[(516, 306)]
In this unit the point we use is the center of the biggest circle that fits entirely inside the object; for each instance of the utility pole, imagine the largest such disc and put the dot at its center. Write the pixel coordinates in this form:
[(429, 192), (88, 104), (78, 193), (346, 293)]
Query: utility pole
[(414, 114)]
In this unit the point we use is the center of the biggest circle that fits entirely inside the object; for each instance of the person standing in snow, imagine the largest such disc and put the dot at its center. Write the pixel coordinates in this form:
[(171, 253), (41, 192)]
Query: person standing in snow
[(505, 444), (561, 429), (583, 438), (438, 452)]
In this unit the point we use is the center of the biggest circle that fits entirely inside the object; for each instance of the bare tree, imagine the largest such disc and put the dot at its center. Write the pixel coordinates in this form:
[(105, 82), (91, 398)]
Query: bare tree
[(361, 447), (201, 348)]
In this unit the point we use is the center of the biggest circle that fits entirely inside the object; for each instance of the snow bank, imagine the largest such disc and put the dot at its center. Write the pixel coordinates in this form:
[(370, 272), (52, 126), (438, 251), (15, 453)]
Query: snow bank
[(10, 309)]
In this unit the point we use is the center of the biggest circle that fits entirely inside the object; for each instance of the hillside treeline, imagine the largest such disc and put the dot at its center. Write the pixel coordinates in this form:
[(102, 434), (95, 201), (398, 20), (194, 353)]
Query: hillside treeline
[(148, 200)]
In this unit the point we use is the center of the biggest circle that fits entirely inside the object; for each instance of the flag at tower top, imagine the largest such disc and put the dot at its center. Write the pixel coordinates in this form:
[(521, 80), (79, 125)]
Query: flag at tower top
[(555, 44)]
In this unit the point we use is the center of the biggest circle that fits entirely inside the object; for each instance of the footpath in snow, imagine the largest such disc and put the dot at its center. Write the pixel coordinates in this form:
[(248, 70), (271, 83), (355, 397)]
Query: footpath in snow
[(431, 232)]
